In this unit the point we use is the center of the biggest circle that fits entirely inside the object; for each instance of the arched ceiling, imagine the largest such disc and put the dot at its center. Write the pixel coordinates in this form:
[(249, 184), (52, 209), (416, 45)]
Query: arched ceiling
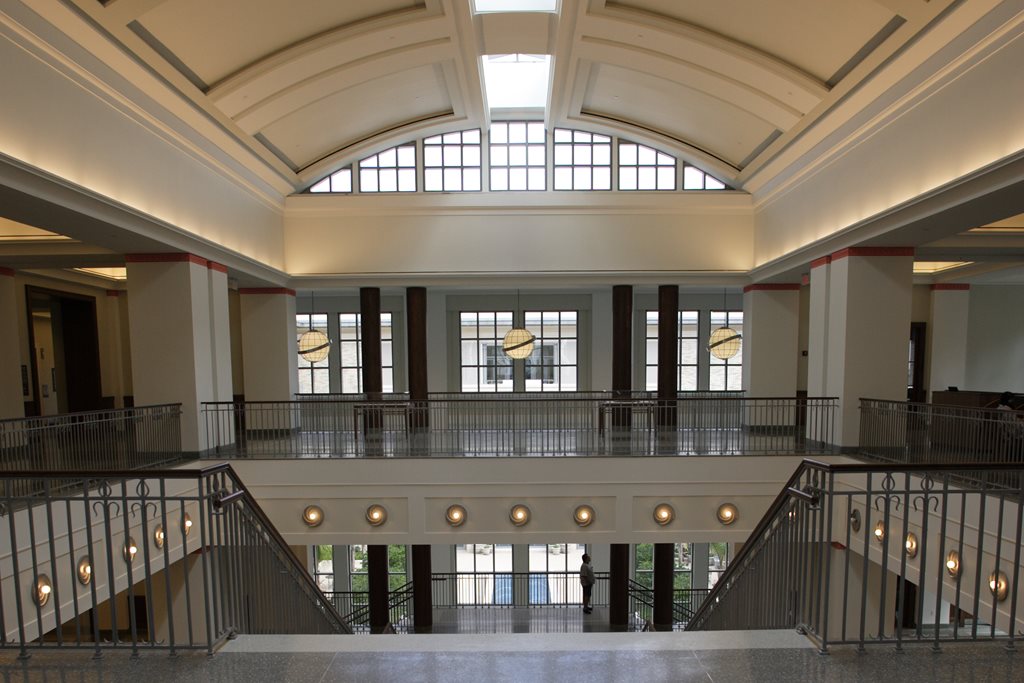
[(310, 85)]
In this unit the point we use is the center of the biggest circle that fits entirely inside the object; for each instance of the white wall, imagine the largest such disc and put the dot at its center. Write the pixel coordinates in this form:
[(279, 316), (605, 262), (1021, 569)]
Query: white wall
[(995, 338)]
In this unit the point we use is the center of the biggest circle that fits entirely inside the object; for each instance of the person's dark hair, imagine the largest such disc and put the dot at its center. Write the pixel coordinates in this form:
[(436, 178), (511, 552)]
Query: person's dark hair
[(586, 558)]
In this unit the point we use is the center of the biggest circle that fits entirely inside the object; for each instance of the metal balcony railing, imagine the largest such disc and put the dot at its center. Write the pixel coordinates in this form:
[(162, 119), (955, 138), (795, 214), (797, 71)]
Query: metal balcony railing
[(153, 559), (122, 439), (922, 433), (873, 553), (514, 589), (521, 424)]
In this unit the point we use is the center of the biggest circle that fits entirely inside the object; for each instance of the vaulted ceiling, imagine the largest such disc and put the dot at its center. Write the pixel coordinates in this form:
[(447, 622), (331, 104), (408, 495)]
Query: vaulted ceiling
[(310, 85)]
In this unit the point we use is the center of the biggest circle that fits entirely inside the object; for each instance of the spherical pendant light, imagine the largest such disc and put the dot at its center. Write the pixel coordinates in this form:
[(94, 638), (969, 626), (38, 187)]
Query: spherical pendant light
[(314, 346), (724, 343), (518, 343)]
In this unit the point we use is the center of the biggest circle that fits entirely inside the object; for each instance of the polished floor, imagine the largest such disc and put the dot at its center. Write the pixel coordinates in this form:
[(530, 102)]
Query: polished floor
[(734, 657)]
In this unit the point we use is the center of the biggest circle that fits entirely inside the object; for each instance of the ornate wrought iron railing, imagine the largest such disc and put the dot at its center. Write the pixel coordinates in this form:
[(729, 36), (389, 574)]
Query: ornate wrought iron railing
[(156, 559), (863, 554)]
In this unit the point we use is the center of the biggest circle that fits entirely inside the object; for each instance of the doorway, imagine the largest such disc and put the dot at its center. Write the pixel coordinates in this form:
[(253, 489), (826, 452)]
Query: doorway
[(64, 339)]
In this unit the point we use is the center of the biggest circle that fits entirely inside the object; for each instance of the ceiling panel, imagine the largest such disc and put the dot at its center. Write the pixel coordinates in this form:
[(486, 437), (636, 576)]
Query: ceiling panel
[(694, 117), (353, 114), (216, 39), (817, 36)]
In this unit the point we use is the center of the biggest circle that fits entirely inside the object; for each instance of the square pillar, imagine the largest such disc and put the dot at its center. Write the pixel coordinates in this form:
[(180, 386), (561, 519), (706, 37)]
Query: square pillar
[(947, 340), (771, 320), (12, 403), (270, 361)]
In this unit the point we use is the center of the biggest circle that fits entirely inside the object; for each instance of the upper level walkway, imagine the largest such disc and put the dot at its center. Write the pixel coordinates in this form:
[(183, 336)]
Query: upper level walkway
[(730, 656)]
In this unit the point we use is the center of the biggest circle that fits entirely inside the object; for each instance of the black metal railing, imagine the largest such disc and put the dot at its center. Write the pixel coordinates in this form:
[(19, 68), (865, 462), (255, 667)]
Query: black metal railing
[(523, 424), (514, 589), (156, 559), (919, 433), (354, 608), (121, 439), (873, 553)]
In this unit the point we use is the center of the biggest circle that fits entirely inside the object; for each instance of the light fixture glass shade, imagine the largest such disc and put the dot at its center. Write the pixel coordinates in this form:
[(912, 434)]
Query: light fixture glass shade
[(519, 515), (159, 536), (313, 516), (664, 514), (880, 532), (724, 343), (998, 585), (910, 543), (455, 515), (376, 515), (130, 550), (84, 570), (855, 520), (314, 346), (584, 515), (518, 343), (953, 563), (41, 591), (727, 513), (186, 523)]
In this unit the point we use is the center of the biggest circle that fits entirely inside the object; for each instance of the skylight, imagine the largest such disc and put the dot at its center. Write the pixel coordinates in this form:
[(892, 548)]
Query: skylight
[(516, 81), (482, 6)]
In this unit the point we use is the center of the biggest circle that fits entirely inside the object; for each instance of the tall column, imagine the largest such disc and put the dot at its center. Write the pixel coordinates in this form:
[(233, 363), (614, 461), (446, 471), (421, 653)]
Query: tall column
[(12, 402), (622, 353), (817, 326), (369, 311), (270, 361), (618, 586), (771, 319), (112, 347), (869, 306), (416, 331), (173, 317), (668, 352), (422, 589), (664, 587), (947, 338), (377, 575)]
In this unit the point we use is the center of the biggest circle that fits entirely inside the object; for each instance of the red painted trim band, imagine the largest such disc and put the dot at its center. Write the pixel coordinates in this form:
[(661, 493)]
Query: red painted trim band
[(823, 261), (950, 287), (266, 290), (772, 287), (9, 272), (171, 257), (805, 280), (219, 267), (113, 292), (873, 251)]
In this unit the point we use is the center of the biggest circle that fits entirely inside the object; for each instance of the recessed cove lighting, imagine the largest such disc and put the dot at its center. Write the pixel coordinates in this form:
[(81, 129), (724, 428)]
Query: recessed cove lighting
[(929, 267), (516, 81), (482, 6)]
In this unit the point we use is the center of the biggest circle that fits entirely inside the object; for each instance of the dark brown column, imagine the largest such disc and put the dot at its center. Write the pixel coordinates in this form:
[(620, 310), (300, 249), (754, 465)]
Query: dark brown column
[(377, 573), (422, 589), (618, 587), (369, 310), (416, 330), (664, 563), (668, 351), (622, 354)]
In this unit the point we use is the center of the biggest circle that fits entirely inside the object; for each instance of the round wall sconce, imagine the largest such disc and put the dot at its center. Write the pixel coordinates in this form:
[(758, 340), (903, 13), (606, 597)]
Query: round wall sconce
[(664, 514), (910, 543), (130, 550), (376, 515), (313, 516), (855, 520), (997, 584), (727, 513), (159, 536), (84, 571), (455, 515), (41, 591), (792, 515), (953, 564), (186, 524), (583, 515), (880, 532), (519, 515)]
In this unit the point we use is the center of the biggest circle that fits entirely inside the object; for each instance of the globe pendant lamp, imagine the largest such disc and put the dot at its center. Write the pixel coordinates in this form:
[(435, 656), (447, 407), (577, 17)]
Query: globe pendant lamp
[(518, 342), (724, 342), (313, 344)]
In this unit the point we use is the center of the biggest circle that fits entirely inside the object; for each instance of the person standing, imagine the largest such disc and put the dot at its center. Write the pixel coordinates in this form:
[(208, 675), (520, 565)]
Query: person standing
[(587, 580)]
